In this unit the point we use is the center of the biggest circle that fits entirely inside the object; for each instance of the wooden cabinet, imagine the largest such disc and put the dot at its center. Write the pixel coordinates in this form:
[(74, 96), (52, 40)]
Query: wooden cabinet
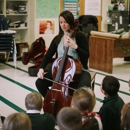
[(104, 49)]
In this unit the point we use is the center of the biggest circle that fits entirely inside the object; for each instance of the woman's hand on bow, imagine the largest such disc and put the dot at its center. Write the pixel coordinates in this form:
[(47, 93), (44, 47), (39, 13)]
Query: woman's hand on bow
[(40, 73)]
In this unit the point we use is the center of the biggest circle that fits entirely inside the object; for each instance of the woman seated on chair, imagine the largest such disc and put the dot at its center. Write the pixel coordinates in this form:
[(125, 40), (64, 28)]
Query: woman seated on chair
[(78, 49)]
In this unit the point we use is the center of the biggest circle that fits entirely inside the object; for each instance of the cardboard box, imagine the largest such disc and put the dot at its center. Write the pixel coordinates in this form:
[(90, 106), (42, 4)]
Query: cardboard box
[(21, 48)]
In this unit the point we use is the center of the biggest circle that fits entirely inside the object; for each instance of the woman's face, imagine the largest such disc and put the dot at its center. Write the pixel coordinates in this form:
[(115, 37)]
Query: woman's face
[(63, 24), (48, 25)]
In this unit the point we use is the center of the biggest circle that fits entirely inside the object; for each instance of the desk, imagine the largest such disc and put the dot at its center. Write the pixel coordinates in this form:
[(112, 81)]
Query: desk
[(103, 50)]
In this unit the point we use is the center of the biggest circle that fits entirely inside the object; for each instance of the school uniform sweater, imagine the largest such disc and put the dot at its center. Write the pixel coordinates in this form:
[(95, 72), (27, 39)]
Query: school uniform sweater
[(110, 112), (42, 121)]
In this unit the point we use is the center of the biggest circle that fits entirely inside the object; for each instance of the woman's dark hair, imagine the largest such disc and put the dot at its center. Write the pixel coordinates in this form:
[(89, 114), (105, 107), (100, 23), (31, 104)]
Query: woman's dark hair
[(110, 85), (69, 18)]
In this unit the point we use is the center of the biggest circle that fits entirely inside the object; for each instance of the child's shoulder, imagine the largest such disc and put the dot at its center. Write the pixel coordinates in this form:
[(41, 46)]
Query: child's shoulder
[(47, 115), (97, 124), (98, 119)]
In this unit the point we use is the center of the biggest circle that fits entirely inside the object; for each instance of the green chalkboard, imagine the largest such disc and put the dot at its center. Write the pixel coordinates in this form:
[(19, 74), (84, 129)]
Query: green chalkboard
[(47, 8)]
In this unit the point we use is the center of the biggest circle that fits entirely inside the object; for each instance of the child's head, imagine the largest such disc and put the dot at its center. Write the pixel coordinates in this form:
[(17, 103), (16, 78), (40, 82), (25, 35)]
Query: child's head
[(83, 99), (125, 117), (110, 86), (33, 101), (69, 119), (17, 121)]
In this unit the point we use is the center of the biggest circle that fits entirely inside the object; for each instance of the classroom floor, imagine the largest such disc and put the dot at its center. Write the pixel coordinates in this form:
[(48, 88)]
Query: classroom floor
[(15, 84)]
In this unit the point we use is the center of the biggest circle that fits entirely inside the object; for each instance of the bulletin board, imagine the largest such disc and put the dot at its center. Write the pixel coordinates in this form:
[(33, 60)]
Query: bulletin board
[(73, 6), (47, 8), (81, 8)]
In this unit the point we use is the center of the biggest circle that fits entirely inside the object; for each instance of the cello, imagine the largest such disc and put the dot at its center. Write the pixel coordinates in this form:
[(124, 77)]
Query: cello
[(65, 72)]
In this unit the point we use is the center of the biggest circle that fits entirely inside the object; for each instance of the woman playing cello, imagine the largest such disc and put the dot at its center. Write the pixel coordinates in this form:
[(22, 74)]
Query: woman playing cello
[(78, 49)]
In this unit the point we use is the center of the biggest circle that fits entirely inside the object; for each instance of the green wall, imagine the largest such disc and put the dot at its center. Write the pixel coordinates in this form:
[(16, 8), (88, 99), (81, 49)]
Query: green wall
[(47, 8)]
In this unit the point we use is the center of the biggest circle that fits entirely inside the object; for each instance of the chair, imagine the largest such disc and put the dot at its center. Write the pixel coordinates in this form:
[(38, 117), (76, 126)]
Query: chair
[(3, 23), (93, 75), (6, 38), (6, 44), (88, 23)]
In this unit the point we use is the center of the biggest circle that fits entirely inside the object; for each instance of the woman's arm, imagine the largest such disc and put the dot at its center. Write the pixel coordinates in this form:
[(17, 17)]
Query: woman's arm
[(83, 48), (50, 53)]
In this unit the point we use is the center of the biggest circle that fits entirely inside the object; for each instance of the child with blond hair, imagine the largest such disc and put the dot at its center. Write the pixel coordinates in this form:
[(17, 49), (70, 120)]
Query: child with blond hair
[(34, 105), (17, 121), (69, 119), (84, 100)]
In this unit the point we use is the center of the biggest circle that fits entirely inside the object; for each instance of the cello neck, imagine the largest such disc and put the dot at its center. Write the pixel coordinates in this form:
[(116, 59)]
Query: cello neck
[(59, 73)]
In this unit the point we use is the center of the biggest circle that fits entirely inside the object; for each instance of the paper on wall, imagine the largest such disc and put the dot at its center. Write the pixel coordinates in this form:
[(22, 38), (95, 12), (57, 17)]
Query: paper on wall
[(92, 7), (104, 34)]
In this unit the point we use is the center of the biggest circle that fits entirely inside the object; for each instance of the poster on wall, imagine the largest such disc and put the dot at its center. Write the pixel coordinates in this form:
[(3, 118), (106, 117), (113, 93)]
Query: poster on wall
[(46, 8), (93, 7), (46, 27)]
